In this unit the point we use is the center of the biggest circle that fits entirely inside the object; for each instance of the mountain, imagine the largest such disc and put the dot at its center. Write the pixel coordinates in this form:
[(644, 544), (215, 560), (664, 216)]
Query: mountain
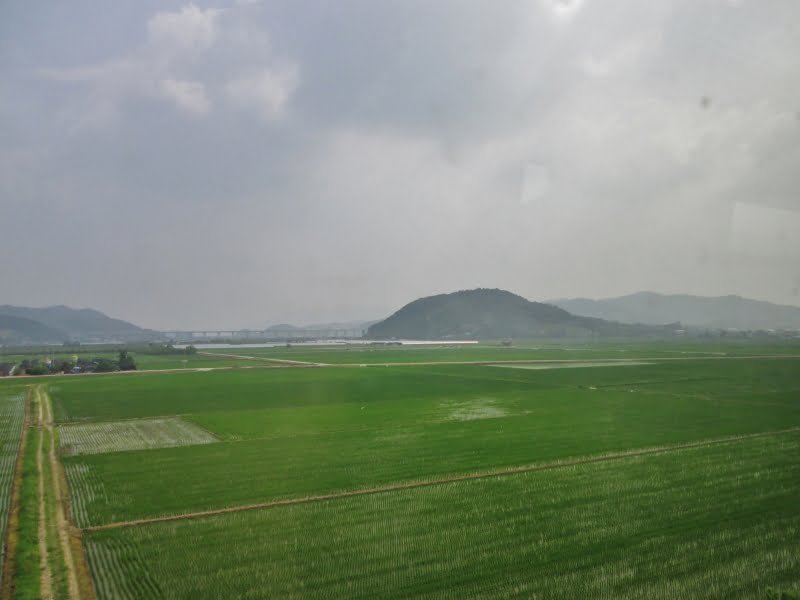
[(723, 312), (19, 330), (282, 327), (80, 324), (345, 325), (492, 314)]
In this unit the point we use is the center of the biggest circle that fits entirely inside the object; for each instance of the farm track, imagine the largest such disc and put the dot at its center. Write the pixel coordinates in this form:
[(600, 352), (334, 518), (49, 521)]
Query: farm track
[(280, 361), (501, 472), (79, 582), (44, 563), (12, 525)]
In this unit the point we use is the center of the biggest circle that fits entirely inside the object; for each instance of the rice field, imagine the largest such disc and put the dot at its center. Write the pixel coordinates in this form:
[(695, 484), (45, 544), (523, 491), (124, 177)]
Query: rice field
[(12, 416), (714, 522), (135, 434), (666, 478), (574, 365), (328, 430), (371, 355)]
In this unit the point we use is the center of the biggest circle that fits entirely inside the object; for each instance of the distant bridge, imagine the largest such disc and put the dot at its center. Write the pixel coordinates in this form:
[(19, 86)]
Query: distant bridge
[(265, 335)]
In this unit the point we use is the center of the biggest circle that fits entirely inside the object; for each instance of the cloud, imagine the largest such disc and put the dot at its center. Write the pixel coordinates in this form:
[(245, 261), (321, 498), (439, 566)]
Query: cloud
[(265, 91), (186, 61), (189, 28), (338, 159), (188, 95), (765, 232), (563, 10)]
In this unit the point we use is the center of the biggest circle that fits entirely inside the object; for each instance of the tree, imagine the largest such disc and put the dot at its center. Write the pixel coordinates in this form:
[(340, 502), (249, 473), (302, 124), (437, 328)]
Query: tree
[(191, 350), (63, 366), (105, 365), (126, 362)]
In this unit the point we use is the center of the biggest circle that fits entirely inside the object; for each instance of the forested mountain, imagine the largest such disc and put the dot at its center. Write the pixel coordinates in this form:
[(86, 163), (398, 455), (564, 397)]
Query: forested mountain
[(492, 314)]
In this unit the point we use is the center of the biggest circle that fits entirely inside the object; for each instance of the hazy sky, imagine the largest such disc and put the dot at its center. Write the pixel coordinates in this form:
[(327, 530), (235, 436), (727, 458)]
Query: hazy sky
[(241, 164)]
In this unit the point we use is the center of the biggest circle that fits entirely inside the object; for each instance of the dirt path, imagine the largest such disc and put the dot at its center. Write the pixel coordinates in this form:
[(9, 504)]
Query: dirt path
[(281, 361), (44, 563), (502, 472), (71, 547)]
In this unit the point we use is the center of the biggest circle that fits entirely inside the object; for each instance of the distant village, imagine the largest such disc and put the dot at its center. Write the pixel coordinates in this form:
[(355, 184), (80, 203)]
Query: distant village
[(74, 364)]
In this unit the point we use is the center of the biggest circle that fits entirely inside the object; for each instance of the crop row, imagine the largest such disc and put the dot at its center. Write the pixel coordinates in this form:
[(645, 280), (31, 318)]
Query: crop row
[(325, 447), (119, 571), (371, 355), (12, 415), (95, 438), (711, 522)]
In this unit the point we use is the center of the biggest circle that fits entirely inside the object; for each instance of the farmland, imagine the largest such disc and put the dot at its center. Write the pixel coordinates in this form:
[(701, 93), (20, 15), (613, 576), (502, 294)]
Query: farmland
[(363, 354), (671, 474), (327, 430), (12, 413), (134, 434), (688, 524)]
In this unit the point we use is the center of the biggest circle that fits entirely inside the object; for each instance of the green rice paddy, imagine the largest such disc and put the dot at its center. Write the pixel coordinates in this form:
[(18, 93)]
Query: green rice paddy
[(673, 476)]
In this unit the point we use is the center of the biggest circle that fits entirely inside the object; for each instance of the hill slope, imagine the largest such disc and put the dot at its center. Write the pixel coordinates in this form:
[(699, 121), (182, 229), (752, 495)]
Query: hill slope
[(491, 314), (346, 325), (78, 324), (19, 330), (721, 312)]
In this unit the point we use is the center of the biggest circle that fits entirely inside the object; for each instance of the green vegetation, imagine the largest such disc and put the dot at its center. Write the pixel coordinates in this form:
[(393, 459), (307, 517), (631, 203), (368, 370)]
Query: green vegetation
[(294, 432), (12, 416), (715, 522), (63, 362), (55, 555), (363, 354), (26, 567), (595, 519), (169, 349)]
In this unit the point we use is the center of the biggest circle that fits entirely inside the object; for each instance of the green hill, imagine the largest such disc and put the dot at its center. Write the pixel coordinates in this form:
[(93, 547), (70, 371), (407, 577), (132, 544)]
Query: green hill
[(493, 314)]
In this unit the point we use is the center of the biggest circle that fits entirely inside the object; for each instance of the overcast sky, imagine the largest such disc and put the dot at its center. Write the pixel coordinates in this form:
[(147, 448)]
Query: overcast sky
[(248, 163)]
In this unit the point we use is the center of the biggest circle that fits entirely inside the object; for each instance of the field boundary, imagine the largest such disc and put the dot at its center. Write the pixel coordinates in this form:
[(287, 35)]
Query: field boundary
[(44, 562), (79, 582), (12, 519), (266, 363), (283, 361), (500, 472)]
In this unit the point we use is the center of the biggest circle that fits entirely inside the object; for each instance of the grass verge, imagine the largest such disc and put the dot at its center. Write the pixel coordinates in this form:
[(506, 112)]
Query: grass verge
[(25, 562)]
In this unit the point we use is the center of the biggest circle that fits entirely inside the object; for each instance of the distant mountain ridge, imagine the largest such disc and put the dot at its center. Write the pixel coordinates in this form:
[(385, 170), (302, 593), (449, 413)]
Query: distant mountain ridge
[(18, 330), (61, 323), (345, 325), (720, 312), (492, 314)]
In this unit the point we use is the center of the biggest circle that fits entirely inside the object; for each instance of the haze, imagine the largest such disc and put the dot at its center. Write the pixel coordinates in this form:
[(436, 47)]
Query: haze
[(240, 164)]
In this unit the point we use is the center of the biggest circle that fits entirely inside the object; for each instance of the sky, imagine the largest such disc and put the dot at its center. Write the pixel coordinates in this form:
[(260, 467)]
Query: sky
[(226, 165)]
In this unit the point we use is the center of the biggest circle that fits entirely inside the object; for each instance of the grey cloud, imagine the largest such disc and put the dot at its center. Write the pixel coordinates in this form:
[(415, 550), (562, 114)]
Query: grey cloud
[(261, 162)]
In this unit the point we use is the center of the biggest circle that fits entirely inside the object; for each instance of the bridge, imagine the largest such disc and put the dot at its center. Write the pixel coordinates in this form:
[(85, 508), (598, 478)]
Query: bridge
[(263, 335)]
